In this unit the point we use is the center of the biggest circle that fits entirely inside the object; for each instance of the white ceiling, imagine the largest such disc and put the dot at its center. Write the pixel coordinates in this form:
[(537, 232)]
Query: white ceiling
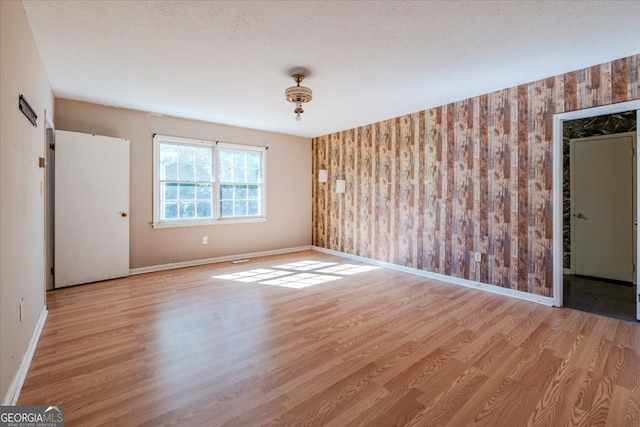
[(230, 61)]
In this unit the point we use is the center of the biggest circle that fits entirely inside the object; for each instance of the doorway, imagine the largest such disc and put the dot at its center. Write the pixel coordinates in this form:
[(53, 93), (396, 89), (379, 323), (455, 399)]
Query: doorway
[(584, 285), (48, 203), (602, 197)]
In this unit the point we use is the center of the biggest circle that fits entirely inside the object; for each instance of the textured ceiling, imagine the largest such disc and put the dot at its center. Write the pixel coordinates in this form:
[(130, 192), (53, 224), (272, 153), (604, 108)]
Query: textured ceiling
[(230, 61)]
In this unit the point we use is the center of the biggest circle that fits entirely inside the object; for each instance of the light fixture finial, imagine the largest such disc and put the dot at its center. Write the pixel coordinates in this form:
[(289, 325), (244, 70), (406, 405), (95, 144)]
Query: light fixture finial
[(298, 95)]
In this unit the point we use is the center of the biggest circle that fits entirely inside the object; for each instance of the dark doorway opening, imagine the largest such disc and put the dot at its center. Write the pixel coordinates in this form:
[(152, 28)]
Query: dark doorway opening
[(596, 295)]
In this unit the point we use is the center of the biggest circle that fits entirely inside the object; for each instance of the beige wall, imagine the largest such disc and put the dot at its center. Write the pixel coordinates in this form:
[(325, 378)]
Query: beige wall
[(288, 185), (21, 203)]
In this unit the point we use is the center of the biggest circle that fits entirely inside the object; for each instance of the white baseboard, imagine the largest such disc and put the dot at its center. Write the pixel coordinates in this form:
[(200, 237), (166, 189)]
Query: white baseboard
[(526, 296), (11, 398), (171, 266)]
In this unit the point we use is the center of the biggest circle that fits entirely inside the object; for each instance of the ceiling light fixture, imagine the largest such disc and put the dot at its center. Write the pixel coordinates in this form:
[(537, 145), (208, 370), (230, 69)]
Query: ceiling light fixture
[(298, 95)]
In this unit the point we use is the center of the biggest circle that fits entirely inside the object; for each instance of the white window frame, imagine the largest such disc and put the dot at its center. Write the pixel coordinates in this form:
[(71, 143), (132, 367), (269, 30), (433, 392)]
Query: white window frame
[(215, 190), (262, 184)]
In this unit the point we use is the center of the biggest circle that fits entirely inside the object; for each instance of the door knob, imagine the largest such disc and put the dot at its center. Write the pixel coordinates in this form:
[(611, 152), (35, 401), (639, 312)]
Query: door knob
[(123, 214), (581, 216)]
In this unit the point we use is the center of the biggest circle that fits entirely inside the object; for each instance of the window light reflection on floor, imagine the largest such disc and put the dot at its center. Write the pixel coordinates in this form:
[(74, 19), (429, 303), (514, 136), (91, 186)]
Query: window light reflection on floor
[(347, 269), (290, 276), (301, 280), (253, 275), (305, 265)]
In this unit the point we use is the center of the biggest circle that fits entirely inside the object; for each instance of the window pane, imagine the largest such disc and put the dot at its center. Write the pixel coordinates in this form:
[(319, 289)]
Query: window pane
[(240, 208), (168, 148), (253, 175), (203, 209), (203, 156), (203, 173), (169, 172), (226, 192), (254, 207), (239, 159), (253, 161), (240, 192), (187, 210), (254, 192), (187, 173), (168, 153), (187, 191), (169, 191), (226, 159), (238, 175), (226, 175), (203, 191), (186, 154), (169, 211), (226, 208)]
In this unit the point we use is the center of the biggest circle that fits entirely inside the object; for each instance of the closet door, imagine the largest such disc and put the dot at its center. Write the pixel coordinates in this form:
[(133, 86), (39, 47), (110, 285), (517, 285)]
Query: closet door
[(91, 208)]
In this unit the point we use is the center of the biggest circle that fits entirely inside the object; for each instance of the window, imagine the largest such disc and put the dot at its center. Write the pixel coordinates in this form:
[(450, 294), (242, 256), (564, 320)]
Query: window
[(199, 182), (240, 176), (186, 181)]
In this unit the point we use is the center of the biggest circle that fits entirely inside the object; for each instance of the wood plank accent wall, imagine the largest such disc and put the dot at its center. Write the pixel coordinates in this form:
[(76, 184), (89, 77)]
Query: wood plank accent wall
[(429, 189)]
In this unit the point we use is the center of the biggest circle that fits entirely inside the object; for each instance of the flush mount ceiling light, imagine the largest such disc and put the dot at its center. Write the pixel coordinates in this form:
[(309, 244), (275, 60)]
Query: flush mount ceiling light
[(298, 95)]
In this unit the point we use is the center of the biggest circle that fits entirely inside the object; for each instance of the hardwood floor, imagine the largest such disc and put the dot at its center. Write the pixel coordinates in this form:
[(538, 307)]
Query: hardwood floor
[(341, 344)]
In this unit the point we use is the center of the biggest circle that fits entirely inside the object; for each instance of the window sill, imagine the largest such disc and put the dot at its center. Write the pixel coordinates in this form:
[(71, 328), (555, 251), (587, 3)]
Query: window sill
[(212, 222)]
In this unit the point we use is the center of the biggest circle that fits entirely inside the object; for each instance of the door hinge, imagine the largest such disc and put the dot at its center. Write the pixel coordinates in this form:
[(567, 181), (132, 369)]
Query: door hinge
[(52, 146), (634, 267), (52, 271)]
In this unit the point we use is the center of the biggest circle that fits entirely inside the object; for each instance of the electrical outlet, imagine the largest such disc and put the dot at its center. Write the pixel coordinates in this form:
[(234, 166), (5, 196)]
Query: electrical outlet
[(478, 256), (205, 240)]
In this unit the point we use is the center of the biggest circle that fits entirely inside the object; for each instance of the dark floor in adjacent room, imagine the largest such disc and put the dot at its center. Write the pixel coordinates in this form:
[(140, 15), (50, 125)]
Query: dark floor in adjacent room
[(608, 298)]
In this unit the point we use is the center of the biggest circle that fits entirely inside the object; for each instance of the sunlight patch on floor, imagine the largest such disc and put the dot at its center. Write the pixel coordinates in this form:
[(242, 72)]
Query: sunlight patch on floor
[(301, 280), (348, 269), (305, 265), (290, 276), (253, 275)]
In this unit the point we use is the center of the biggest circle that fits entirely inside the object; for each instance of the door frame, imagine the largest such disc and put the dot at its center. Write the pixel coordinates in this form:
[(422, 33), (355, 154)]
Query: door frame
[(558, 120), (49, 138)]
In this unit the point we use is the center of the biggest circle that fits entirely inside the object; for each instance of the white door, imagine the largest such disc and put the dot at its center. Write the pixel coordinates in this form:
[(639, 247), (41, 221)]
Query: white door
[(602, 212), (91, 208)]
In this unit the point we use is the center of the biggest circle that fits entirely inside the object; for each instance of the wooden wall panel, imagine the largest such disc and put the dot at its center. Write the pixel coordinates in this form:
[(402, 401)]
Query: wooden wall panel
[(523, 143), (433, 153), (350, 197), (483, 166), (633, 81), (429, 189), (421, 197)]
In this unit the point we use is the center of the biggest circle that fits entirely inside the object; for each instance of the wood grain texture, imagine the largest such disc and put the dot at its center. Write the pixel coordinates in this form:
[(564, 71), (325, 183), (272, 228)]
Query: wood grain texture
[(225, 345), (482, 170)]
